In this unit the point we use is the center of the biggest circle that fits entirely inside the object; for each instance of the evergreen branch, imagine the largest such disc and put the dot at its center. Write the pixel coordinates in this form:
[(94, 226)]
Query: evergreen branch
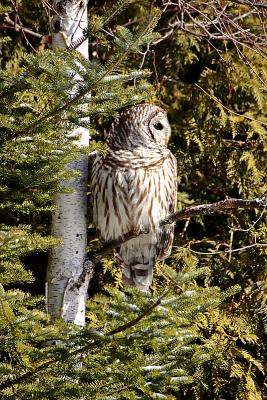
[(227, 108), (107, 72), (13, 87), (119, 390), (133, 322), (80, 350), (116, 10)]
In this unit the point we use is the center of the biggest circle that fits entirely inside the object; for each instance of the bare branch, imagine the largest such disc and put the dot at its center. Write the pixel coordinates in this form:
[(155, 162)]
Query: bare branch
[(192, 211), (250, 3), (227, 251), (10, 24), (214, 20), (207, 209)]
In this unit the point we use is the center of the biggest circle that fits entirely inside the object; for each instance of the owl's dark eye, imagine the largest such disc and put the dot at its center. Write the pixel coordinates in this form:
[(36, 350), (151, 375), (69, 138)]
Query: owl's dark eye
[(158, 126)]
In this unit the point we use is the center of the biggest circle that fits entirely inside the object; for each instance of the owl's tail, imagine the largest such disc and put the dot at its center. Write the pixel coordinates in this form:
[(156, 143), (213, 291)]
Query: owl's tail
[(137, 265), (138, 275)]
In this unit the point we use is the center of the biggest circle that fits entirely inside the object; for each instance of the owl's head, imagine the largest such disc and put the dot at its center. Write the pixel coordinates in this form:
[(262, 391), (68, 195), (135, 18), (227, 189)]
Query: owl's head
[(142, 125)]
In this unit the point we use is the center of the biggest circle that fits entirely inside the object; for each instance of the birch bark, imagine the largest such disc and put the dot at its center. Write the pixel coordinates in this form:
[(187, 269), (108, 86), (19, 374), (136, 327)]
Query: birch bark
[(69, 223)]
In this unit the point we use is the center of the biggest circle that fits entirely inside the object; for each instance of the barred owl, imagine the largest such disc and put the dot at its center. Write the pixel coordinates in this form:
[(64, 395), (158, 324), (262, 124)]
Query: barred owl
[(134, 187)]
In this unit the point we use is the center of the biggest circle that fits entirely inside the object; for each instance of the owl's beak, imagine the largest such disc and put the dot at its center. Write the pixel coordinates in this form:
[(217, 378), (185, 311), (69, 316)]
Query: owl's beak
[(166, 141)]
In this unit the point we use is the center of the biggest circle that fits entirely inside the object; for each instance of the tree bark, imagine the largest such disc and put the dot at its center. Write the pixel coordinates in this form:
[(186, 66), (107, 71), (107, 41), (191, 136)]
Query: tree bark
[(69, 223)]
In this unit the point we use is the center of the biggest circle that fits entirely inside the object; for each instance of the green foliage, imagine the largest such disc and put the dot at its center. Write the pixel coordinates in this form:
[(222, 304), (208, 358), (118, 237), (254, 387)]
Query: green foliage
[(122, 347), (174, 342), (15, 242), (202, 333)]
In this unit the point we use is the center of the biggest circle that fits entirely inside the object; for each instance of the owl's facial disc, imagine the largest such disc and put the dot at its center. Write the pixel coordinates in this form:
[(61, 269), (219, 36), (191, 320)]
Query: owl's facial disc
[(160, 129)]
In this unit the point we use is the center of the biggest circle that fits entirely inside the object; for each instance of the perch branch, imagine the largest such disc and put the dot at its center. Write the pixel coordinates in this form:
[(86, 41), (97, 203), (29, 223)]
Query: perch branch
[(203, 209), (207, 209), (192, 211)]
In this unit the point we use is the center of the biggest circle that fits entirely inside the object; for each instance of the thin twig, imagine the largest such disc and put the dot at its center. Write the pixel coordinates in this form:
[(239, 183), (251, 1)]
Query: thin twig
[(214, 21), (227, 108), (226, 251), (250, 3)]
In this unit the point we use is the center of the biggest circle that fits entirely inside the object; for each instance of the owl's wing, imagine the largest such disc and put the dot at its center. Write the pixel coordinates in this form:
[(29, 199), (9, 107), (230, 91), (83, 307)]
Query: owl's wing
[(111, 193), (166, 232)]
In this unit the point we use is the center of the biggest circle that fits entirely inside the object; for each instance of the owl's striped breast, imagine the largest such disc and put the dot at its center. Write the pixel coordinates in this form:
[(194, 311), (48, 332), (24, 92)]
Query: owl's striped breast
[(128, 198)]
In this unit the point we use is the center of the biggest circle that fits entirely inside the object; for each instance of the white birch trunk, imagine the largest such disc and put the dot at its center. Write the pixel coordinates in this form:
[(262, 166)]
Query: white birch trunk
[(69, 223)]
